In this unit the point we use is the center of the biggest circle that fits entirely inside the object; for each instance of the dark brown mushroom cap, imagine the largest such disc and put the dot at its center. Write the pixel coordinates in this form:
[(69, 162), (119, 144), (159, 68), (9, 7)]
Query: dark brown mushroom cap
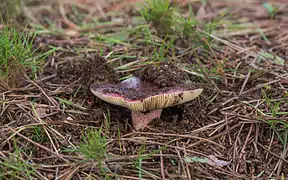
[(138, 95)]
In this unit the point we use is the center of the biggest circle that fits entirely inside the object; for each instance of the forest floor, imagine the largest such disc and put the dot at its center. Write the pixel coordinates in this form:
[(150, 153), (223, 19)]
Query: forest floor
[(53, 127)]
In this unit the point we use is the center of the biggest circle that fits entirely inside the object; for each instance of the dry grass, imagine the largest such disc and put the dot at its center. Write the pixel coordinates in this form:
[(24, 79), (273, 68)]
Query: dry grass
[(240, 119)]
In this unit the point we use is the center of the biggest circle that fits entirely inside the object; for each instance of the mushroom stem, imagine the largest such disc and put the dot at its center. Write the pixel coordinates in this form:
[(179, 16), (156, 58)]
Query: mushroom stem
[(141, 120)]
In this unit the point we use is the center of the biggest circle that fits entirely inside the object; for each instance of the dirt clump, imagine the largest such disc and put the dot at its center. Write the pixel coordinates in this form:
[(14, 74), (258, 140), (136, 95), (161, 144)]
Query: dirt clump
[(95, 69), (165, 74), (75, 75), (88, 69)]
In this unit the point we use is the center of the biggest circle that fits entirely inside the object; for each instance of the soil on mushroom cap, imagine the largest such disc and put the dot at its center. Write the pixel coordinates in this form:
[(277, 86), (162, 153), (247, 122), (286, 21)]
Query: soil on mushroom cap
[(149, 89), (165, 74), (156, 79)]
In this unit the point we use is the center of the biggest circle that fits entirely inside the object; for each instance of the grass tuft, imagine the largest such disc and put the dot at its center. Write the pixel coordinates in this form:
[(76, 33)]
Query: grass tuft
[(160, 14), (13, 167), (273, 110), (93, 145), (16, 56)]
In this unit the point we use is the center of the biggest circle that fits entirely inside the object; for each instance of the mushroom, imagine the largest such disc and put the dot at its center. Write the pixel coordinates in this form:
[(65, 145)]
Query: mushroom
[(145, 100)]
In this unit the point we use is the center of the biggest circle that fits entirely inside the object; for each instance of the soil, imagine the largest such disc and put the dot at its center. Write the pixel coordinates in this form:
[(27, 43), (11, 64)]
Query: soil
[(84, 70), (165, 74), (75, 76)]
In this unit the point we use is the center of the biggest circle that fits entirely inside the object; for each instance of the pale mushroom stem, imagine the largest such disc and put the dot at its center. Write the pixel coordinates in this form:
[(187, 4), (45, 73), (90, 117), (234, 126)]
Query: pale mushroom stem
[(141, 120)]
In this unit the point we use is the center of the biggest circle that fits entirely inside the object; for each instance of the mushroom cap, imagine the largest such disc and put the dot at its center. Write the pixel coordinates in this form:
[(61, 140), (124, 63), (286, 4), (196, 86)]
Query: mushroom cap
[(148, 101)]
